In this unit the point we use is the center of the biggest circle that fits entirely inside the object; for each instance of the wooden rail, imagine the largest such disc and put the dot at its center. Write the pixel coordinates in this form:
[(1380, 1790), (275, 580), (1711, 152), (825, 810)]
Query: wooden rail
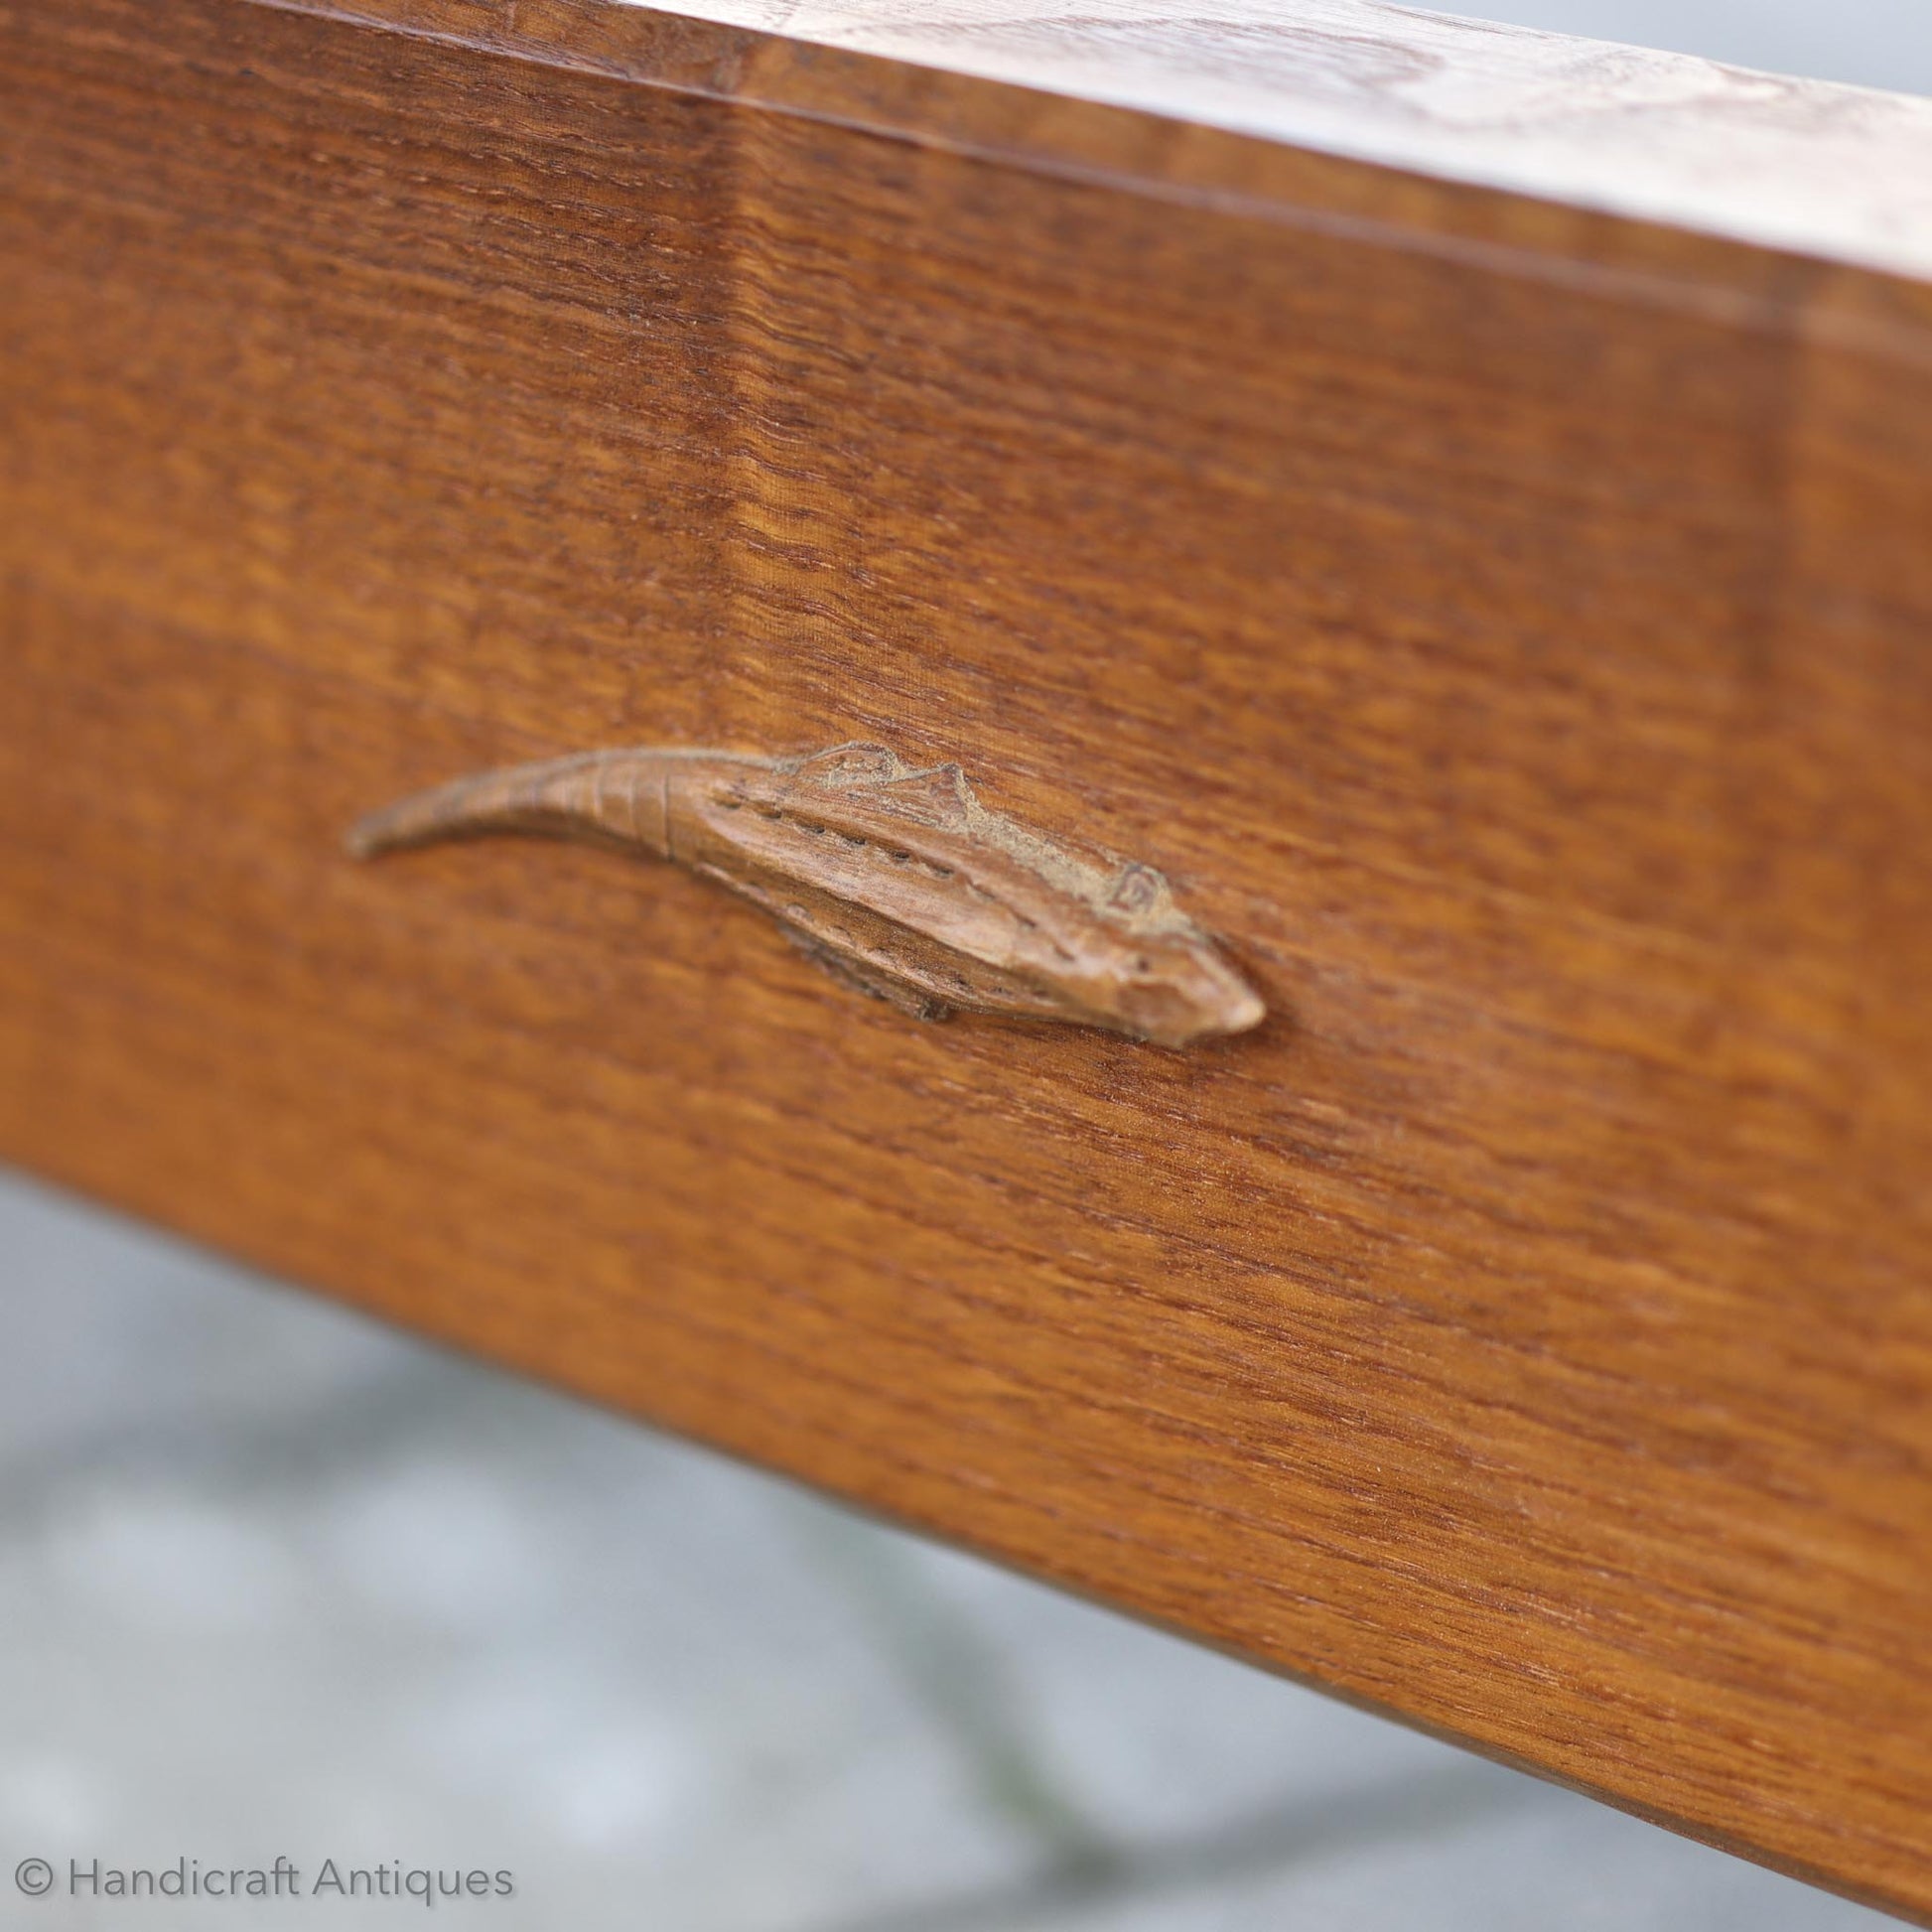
[(1476, 550)]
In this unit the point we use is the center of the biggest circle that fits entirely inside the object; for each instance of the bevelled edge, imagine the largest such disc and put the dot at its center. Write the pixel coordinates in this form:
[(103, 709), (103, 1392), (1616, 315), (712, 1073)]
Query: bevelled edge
[(1818, 168)]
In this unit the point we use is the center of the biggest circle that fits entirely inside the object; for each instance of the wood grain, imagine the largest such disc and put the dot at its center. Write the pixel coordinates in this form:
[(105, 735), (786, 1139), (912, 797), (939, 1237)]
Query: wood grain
[(1843, 173), (1503, 623)]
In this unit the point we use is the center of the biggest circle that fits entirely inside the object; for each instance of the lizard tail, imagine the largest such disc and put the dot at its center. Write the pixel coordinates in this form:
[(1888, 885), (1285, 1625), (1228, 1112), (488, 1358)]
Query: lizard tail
[(602, 795)]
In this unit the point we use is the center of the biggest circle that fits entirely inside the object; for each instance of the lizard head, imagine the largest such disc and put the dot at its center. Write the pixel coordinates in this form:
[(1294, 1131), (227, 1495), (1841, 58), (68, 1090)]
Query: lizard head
[(1157, 976)]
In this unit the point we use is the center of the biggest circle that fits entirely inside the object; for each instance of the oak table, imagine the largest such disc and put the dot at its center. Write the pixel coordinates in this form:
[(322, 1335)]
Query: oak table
[(1429, 521)]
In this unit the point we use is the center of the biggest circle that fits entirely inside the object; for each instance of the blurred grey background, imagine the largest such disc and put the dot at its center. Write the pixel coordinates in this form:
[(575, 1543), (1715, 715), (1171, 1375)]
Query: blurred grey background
[(1866, 43), (274, 1580)]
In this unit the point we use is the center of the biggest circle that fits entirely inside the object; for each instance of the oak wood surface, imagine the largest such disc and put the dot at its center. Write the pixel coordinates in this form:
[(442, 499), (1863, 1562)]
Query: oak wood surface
[(1840, 172), (1504, 623)]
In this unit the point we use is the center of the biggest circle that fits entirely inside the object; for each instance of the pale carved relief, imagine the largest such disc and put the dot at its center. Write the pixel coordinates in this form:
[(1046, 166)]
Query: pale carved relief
[(897, 879)]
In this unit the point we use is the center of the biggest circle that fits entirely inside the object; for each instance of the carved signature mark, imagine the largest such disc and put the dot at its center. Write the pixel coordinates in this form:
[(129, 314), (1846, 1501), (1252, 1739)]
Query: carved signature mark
[(897, 879)]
